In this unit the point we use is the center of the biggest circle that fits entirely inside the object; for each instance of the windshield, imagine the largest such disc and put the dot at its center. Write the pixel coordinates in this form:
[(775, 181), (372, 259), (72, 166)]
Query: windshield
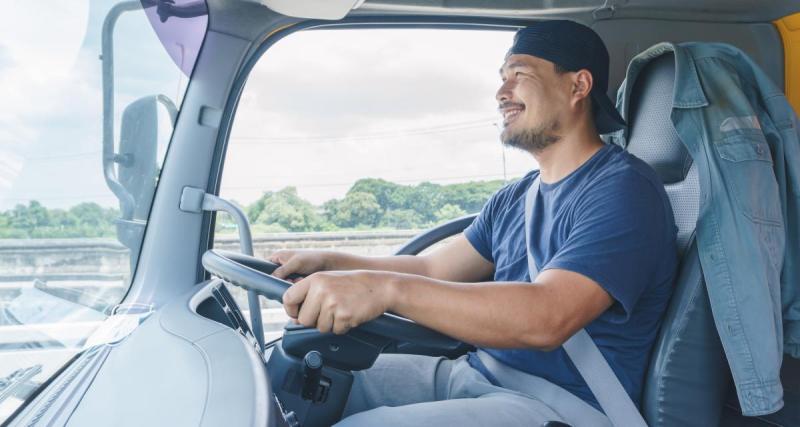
[(90, 91)]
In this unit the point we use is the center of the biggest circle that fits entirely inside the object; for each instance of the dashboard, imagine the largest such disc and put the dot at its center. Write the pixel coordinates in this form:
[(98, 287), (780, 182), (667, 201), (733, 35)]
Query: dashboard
[(194, 362)]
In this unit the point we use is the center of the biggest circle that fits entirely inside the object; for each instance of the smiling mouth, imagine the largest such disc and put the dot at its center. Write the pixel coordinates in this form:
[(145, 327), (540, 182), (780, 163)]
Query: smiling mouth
[(510, 114)]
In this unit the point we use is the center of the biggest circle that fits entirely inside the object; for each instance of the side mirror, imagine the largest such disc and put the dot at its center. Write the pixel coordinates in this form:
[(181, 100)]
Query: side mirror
[(137, 160), (134, 167)]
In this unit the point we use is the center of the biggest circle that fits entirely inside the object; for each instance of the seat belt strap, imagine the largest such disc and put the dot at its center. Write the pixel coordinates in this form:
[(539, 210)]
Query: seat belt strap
[(583, 351)]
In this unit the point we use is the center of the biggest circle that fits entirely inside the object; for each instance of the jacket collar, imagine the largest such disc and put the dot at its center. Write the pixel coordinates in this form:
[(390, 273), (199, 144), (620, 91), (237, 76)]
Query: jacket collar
[(688, 92)]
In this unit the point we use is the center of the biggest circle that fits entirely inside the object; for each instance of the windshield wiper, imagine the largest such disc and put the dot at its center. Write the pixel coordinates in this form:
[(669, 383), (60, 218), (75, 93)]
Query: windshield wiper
[(18, 382)]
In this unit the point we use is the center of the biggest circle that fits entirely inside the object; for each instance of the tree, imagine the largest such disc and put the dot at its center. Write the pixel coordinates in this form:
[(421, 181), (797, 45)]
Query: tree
[(286, 209), (7, 231), (388, 194), (402, 219), (356, 209), (63, 220), (89, 214), (426, 200), (470, 196), (448, 212), (30, 217)]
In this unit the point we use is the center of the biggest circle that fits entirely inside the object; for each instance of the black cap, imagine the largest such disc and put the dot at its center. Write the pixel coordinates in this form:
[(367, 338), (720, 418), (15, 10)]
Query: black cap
[(573, 47)]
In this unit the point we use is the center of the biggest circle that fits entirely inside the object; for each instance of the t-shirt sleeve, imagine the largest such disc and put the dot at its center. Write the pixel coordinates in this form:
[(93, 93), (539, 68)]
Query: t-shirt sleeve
[(479, 233), (619, 238)]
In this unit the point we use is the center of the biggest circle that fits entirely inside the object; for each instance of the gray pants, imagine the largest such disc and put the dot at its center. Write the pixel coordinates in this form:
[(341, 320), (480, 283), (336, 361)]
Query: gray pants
[(412, 390)]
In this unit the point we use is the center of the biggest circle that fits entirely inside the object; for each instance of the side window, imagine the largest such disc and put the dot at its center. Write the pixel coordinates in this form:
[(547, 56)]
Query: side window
[(357, 140)]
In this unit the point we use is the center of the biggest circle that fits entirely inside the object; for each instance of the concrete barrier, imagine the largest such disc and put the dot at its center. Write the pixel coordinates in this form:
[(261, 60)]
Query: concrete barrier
[(107, 259)]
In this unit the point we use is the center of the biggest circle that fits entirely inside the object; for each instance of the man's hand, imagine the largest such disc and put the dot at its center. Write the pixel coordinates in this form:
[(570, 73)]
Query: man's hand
[(338, 301), (301, 262)]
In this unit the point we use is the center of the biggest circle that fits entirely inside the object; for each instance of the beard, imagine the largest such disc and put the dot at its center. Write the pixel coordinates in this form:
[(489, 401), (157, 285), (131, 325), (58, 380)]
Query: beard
[(533, 140)]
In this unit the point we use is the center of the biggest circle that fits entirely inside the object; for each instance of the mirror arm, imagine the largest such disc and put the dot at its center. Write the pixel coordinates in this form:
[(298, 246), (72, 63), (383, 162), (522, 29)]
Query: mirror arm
[(172, 110), (127, 202)]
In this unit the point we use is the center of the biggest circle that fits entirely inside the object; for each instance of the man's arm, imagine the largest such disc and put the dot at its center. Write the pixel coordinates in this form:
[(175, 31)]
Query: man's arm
[(541, 315), (455, 261), (499, 314)]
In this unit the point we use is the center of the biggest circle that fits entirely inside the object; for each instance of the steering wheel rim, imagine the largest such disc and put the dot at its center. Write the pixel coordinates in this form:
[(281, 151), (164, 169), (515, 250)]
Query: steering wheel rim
[(251, 273)]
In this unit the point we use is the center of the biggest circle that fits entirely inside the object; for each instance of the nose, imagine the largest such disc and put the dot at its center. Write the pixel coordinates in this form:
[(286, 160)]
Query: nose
[(504, 92)]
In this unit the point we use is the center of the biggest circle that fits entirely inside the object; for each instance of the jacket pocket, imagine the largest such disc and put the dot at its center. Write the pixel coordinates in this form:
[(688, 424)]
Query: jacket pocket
[(747, 167)]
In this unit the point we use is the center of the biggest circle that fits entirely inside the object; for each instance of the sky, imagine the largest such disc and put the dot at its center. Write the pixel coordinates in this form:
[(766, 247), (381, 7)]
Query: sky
[(51, 87), (324, 108), (320, 110)]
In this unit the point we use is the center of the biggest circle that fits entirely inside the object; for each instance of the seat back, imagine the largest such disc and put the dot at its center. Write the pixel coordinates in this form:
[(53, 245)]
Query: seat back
[(688, 377)]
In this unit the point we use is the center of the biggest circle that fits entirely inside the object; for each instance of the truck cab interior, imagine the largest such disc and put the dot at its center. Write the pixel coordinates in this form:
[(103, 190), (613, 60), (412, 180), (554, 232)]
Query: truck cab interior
[(182, 351)]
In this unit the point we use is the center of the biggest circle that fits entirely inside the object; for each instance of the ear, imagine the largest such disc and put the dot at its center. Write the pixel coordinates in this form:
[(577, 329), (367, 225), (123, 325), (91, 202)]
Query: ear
[(582, 83)]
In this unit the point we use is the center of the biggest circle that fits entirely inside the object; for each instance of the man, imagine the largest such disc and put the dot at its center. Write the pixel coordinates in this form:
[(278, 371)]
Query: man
[(602, 235)]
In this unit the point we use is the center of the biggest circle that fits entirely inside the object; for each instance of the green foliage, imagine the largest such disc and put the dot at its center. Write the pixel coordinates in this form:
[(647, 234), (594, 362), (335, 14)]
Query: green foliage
[(425, 204), (448, 212), (388, 194), (356, 209), (287, 209), (470, 196), (36, 221), (369, 203), (402, 219)]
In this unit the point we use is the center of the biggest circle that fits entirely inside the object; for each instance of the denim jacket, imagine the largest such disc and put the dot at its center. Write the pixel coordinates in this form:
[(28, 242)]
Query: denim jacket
[(743, 135)]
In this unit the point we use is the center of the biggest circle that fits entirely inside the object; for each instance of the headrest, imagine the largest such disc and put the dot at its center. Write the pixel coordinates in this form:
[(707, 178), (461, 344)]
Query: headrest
[(652, 136)]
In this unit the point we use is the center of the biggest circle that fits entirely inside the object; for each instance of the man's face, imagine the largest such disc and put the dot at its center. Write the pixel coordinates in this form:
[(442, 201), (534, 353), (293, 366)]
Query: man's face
[(532, 100)]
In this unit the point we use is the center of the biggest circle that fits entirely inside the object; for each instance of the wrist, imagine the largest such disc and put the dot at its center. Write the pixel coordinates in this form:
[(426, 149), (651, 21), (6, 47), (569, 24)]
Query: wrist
[(331, 261), (394, 285)]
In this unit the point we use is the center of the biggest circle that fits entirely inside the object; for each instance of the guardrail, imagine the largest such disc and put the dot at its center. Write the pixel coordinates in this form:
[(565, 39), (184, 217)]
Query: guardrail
[(107, 260)]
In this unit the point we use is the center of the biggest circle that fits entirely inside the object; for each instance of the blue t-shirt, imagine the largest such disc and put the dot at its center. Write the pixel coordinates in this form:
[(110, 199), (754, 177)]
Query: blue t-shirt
[(609, 220)]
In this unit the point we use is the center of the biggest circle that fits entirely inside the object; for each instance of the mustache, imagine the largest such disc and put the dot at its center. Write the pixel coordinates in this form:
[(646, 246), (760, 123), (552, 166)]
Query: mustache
[(504, 105)]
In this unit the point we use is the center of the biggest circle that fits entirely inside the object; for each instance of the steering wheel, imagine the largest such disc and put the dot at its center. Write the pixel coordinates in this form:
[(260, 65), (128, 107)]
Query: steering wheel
[(254, 274)]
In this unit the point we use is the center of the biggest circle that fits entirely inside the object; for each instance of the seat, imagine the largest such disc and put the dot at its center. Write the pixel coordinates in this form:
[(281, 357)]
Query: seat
[(688, 377)]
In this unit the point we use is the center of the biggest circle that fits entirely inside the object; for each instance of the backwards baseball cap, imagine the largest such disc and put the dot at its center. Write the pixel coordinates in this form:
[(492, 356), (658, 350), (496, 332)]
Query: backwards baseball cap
[(573, 47)]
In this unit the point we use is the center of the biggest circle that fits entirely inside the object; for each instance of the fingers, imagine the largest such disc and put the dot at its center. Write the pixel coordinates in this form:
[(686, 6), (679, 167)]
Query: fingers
[(294, 297), (281, 272), (302, 303), (279, 257), (285, 269), (325, 321), (292, 263), (310, 310), (341, 325)]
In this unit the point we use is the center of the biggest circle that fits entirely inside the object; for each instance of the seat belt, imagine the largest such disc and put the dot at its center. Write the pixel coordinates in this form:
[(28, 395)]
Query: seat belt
[(581, 349)]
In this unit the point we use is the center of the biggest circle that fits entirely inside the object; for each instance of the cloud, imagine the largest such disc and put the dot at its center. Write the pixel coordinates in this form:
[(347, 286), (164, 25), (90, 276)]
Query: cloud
[(51, 116), (5, 58), (324, 108), (349, 78)]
